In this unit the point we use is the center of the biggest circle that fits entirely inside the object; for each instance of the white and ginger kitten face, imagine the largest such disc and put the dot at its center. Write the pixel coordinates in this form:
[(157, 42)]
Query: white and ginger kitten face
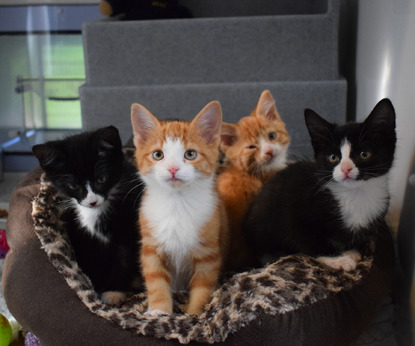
[(258, 143), (175, 154)]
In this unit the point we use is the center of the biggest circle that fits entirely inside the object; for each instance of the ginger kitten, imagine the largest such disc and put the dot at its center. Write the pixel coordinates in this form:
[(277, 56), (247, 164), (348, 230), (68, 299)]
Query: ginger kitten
[(255, 149), (181, 217), (258, 143)]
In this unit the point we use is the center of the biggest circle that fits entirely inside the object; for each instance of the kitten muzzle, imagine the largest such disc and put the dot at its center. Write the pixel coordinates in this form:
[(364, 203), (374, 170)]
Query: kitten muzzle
[(92, 204), (346, 169), (270, 154), (173, 171)]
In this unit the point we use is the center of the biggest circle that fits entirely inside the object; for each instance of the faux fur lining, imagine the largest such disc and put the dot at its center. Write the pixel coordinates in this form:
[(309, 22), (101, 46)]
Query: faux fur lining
[(291, 283)]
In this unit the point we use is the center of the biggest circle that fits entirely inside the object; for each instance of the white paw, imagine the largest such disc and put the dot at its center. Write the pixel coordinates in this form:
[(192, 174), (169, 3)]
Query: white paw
[(113, 297), (156, 312), (354, 254), (348, 261)]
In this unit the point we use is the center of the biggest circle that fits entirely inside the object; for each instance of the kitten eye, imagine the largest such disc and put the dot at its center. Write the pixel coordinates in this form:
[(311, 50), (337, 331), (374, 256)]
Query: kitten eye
[(73, 187), (333, 158), (272, 136), (190, 155), (158, 155), (364, 155), (252, 147), (102, 179)]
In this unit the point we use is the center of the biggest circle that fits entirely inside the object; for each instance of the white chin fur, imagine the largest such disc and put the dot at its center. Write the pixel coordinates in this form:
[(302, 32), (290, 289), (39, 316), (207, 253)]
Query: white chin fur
[(361, 202), (88, 218), (349, 183), (279, 161)]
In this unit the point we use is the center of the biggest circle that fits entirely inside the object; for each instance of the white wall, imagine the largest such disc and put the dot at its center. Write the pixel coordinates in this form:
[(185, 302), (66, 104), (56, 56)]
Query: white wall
[(386, 68)]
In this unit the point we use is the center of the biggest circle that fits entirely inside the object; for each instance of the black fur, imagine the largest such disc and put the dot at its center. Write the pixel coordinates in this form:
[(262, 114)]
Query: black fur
[(295, 212), (96, 157)]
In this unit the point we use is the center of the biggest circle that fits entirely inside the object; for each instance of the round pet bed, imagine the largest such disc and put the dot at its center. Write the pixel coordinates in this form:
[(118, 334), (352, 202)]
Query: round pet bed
[(294, 301)]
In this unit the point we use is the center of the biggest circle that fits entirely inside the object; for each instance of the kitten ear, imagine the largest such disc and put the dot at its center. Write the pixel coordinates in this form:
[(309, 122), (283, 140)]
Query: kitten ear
[(108, 140), (229, 134), (318, 128), (208, 122), (266, 107), (46, 154), (382, 116), (143, 123)]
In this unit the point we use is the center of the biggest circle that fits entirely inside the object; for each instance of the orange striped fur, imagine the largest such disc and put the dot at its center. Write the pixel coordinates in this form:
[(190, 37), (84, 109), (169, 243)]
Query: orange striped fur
[(182, 221), (253, 155)]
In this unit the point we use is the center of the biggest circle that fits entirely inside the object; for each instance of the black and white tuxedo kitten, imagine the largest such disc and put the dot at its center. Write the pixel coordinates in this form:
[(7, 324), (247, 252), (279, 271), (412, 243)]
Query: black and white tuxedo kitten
[(103, 193), (328, 207)]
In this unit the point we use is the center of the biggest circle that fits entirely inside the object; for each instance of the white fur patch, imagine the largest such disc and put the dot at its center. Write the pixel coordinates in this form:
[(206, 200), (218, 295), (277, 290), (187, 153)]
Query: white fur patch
[(347, 260), (88, 215), (279, 153), (345, 162), (177, 217), (361, 201)]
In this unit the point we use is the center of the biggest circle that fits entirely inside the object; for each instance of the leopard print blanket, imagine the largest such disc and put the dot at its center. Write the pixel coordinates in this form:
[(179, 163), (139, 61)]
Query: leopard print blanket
[(286, 285)]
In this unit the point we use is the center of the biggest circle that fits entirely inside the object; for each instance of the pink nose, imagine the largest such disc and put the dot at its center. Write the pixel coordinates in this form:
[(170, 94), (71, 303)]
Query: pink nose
[(173, 171), (270, 154), (346, 168)]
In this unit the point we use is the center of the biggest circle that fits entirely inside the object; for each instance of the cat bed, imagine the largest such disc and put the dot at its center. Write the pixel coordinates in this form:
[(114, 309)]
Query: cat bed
[(294, 301)]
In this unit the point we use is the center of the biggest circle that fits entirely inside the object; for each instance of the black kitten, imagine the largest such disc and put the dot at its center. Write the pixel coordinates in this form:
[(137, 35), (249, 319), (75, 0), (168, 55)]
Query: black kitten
[(101, 210), (327, 207)]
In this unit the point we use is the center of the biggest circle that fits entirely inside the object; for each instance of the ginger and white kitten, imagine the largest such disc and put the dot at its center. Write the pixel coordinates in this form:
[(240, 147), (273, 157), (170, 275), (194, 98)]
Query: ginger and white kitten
[(255, 149), (183, 226), (330, 207)]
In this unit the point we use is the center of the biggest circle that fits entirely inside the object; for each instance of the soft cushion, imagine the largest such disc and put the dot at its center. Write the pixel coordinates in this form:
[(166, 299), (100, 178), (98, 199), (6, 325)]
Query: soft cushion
[(294, 301)]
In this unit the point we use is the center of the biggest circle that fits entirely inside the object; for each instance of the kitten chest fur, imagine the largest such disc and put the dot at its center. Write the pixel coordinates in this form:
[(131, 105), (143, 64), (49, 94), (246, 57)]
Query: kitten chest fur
[(361, 204), (176, 217), (89, 219)]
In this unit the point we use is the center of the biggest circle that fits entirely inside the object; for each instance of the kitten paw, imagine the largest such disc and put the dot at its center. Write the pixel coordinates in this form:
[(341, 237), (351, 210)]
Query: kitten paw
[(354, 254), (156, 312), (113, 297), (348, 261), (193, 310)]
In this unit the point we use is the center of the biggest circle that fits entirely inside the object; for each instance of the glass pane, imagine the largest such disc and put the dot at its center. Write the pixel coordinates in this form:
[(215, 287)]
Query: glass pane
[(51, 98)]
